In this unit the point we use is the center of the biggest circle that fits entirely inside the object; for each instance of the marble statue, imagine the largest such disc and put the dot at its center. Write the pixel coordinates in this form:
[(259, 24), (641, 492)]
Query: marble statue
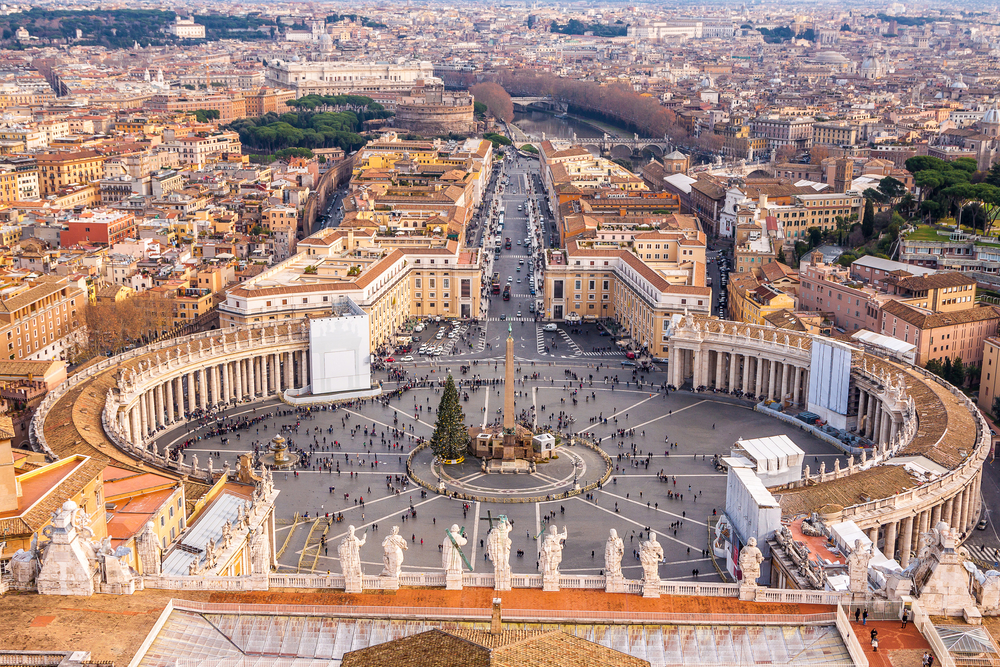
[(260, 551), (614, 549), (857, 567), (550, 558), (393, 547), (350, 560), (451, 557), (650, 556), (194, 461), (24, 563), (210, 555), (227, 534), (498, 547), (148, 550), (750, 560)]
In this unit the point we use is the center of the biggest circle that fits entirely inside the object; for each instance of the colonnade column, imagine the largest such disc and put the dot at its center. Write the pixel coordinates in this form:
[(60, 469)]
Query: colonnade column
[(226, 386), (274, 382), (251, 377), (966, 501), (785, 377), (720, 359), (203, 386), (190, 392), (238, 373), (143, 421), (773, 378), (288, 369), (760, 376), (798, 384), (907, 542), (171, 390), (746, 375), (873, 535), (732, 372), (946, 512), (889, 549), (956, 511), (134, 424)]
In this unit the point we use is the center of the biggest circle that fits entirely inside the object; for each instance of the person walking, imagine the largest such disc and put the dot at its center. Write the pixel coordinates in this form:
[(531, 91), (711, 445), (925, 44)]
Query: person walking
[(864, 617), (875, 644), (857, 615), (905, 618)]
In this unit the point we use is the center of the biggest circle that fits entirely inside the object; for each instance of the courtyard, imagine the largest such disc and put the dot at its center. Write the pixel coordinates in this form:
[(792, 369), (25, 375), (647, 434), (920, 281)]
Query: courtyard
[(661, 447)]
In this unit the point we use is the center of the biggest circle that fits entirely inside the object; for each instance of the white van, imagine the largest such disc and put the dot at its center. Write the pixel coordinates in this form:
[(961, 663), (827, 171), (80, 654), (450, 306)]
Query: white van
[(551, 326)]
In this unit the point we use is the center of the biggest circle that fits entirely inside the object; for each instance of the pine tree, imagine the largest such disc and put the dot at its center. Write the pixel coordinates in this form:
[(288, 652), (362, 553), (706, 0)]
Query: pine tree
[(451, 438), (868, 222)]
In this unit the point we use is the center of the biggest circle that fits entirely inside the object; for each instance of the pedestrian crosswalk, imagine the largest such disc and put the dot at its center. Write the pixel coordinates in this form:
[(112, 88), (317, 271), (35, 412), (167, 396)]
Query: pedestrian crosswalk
[(542, 343), (608, 353), (985, 557), (511, 319)]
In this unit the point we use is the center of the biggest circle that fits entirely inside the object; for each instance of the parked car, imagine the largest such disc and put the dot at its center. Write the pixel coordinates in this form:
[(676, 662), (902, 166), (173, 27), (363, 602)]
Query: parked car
[(551, 326)]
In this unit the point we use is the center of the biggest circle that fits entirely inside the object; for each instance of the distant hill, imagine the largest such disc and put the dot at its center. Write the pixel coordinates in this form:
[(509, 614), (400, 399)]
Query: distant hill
[(121, 28)]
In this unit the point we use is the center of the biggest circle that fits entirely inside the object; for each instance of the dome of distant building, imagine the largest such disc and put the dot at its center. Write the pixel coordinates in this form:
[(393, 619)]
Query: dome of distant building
[(959, 82), (992, 116), (831, 57)]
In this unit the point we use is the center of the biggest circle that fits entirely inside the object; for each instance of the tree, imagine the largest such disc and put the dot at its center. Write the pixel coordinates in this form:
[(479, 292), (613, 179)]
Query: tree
[(996, 406), (946, 369), (451, 437), (957, 377), (496, 99), (868, 222), (815, 236)]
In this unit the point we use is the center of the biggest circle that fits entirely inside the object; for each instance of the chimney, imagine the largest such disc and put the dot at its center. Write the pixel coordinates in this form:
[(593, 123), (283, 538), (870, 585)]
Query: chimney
[(762, 202), (496, 627), (8, 482)]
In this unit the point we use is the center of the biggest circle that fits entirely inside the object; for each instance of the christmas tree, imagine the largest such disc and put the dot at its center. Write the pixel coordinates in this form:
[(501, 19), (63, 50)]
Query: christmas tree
[(450, 437)]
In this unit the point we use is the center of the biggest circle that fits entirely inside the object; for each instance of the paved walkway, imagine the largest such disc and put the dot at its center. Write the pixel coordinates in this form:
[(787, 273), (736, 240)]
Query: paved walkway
[(896, 647)]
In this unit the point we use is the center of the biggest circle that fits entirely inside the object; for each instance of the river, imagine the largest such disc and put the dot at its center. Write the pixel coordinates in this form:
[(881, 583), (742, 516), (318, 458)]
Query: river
[(535, 123)]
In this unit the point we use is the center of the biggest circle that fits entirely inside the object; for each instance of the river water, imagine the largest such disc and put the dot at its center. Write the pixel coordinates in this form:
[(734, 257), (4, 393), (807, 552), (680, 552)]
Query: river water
[(535, 123)]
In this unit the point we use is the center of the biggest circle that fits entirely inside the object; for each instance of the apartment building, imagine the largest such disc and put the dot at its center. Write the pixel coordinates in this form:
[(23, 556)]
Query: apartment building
[(753, 301), (201, 149), (389, 283), (778, 131), (57, 170), (593, 280), (836, 133), (829, 288), (230, 105), (40, 319), (951, 334), (98, 227)]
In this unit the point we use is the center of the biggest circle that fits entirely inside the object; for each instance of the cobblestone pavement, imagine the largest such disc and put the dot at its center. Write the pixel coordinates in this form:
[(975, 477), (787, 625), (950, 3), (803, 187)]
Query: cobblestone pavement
[(633, 501)]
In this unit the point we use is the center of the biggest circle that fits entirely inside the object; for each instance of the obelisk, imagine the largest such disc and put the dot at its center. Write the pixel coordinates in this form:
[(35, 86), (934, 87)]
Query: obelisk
[(508, 399)]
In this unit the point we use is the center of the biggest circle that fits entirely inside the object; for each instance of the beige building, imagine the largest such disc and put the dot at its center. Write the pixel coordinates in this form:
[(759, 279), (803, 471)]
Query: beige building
[(593, 280), (389, 283)]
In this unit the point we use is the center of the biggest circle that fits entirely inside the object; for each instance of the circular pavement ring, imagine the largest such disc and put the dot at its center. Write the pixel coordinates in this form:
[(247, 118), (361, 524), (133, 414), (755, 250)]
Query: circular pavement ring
[(585, 464)]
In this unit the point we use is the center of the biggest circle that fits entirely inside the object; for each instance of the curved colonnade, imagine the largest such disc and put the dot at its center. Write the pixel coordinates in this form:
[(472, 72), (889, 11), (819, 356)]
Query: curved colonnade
[(115, 408), (902, 413)]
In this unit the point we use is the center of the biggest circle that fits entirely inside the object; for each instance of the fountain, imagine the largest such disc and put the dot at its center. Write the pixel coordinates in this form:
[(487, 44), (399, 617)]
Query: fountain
[(279, 456)]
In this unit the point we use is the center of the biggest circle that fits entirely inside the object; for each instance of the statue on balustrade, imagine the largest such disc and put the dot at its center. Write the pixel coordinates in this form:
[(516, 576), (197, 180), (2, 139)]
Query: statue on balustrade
[(393, 547), (857, 567), (750, 560), (650, 556), (451, 551), (350, 560), (498, 547), (552, 547), (614, 549)]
